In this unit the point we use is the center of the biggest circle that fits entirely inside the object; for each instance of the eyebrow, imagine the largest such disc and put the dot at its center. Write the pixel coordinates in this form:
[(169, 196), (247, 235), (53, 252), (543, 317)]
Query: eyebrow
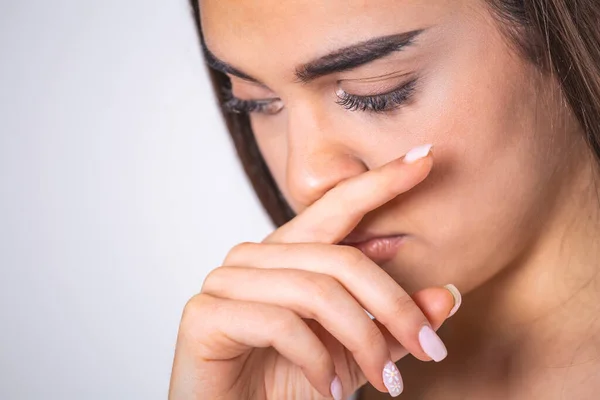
[(214, 63), (344, 59)]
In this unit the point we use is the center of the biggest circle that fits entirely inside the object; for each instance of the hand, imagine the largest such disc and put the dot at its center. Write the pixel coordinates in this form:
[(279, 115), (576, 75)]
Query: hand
[(285, 319)]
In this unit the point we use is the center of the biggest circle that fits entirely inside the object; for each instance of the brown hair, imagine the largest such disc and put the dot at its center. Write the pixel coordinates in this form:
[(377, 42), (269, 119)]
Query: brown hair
[(562, 37)]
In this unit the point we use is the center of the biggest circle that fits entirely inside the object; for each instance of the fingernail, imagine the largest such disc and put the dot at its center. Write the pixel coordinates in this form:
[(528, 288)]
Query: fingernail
[(369, 314), (431, 344), (457, 299), (417, 153), (336, 389), (392, 379)]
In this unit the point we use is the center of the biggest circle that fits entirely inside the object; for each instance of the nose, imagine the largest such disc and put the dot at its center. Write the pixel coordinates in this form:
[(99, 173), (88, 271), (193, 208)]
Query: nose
[(318, 159)]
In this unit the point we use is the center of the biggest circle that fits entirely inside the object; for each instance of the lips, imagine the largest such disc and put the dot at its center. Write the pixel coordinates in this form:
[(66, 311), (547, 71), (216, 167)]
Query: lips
[(379, 249)]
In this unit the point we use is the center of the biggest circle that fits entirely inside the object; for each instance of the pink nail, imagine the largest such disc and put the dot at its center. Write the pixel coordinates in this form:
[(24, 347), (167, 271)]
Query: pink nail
[(431, 344), (392, 379), (336, 389)]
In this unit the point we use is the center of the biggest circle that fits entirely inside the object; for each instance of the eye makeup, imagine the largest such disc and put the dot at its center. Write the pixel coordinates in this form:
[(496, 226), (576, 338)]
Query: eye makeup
[(378, 103), (374, 95), (232, 104)]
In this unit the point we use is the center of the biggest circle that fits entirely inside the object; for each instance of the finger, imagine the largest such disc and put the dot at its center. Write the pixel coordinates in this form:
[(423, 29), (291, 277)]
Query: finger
[(331, 218), (437, 303), (371, 286), (221, 330), (312, 296)]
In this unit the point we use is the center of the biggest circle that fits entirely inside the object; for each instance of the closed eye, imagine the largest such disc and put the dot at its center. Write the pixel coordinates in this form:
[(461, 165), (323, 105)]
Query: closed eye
[(380, 102), (236, 105)]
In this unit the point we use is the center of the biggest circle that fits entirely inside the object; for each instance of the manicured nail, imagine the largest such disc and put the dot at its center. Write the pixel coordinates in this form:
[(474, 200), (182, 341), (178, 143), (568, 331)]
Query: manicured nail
[(417, 153), (369, 314), (392, 379), (457, 299), (336, 389), (431, 344)]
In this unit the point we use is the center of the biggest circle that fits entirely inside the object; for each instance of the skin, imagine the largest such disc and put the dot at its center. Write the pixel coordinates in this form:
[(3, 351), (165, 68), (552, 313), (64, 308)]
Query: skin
[(509, 212), (282, 318)]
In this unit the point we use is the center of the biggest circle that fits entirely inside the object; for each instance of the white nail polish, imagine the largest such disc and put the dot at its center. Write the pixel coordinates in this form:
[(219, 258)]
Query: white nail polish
[(457, 298), (392, 379), (417, 153)]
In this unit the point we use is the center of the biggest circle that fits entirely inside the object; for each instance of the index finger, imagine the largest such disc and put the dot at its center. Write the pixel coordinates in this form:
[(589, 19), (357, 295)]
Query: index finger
[(331, 218)]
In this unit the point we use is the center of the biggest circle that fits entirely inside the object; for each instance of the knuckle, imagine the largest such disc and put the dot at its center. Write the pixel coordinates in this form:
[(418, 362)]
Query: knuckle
[(350, 256), (320, 361), (194, 305), (237, 252), (320, 288), (201, 327), (286, 323), (216, 280), (402, 305), (194, 313), (368, 341), (209, 280), (372, 339)]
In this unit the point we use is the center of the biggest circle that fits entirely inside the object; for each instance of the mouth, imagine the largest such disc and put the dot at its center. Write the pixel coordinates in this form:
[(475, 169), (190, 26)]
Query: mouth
[(378, 249)]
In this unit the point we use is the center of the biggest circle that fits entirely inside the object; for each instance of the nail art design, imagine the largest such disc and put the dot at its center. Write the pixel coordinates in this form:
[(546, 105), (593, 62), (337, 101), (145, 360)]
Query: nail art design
[(392, 379)]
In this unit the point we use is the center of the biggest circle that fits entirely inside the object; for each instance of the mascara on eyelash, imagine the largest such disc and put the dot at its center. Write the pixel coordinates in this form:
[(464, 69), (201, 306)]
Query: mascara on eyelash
[(232, 104), (374, 103), (377, 103)]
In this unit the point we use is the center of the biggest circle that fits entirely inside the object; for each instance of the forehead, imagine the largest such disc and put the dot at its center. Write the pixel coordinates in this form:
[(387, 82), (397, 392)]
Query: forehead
[(257, 35)]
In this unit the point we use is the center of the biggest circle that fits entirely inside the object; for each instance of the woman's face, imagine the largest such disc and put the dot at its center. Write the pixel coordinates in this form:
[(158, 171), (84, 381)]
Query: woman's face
[(358, 83)]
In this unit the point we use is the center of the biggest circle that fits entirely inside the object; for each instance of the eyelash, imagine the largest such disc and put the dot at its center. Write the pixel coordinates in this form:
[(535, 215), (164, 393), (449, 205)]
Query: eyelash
[(374, 103), (235, 105), (380, 102)]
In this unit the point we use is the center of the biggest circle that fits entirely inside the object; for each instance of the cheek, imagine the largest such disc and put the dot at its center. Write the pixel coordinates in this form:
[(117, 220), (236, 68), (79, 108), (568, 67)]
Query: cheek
[(496, 162), (271, 137)]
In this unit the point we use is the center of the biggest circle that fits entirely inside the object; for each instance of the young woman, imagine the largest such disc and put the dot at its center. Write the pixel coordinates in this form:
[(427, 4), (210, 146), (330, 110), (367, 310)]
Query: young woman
[(404, 149)]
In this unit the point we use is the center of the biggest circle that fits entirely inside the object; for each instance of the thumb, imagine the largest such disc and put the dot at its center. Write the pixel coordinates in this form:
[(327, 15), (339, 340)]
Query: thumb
[(437, 303)]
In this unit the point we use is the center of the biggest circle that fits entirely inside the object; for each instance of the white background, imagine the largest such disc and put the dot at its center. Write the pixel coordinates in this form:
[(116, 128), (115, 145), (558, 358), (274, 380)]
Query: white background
[(119, 191)]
